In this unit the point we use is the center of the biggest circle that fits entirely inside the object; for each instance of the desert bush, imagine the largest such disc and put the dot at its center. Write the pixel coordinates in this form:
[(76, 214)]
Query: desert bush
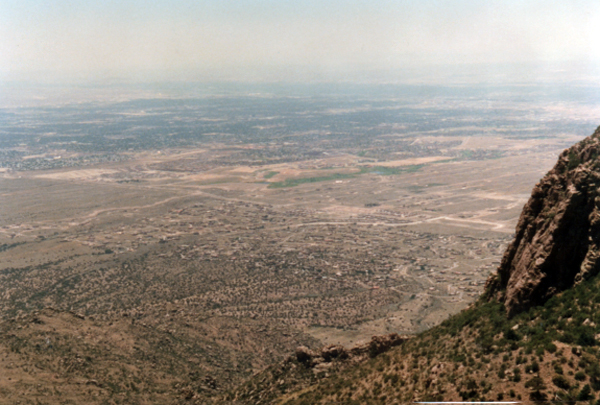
[(561, 382)]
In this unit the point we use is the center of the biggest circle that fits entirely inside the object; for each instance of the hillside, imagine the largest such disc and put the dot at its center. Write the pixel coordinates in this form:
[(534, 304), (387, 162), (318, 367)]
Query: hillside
[(557, 239), (59, 357), (548, 352), (532, 336)]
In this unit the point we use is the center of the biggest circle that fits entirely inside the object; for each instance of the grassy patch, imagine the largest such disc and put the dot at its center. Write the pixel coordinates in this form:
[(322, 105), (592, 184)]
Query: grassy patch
[(380, 170), (420, 189), (297, 182), (477, 154), (268, 175), (388, 171)]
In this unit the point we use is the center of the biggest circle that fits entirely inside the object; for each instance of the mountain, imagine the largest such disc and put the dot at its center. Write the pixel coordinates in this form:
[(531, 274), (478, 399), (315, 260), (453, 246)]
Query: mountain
[(533, 335), (557, 242)]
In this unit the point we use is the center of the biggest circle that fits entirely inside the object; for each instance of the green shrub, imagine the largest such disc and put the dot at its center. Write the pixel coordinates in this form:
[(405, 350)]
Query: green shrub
[(536, 383), (585, 394), (561, 382), (586, 338), (511, 335), (593, 371), (533, 367), (574, 161)]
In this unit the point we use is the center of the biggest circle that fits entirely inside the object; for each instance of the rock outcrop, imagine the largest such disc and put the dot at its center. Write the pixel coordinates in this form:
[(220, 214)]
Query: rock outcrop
[(557, 239), (377, 345)]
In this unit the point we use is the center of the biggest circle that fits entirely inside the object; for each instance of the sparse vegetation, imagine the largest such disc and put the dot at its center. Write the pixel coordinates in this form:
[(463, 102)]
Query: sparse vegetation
[(483, 331), (573, 160)]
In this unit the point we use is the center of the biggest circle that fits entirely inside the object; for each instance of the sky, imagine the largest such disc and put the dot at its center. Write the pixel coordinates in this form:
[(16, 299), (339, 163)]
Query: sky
[(284, 40)]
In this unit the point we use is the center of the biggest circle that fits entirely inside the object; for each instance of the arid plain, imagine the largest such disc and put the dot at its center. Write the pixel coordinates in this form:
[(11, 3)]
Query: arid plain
[(319, 221)]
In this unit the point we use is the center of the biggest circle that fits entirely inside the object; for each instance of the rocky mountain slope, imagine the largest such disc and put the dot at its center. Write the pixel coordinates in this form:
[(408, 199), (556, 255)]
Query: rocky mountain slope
[(547, 353), (164, 357), (557, 242), (534, 336)]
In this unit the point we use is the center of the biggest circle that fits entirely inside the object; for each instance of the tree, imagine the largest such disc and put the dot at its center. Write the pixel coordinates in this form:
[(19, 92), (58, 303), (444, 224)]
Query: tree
[(536, 384), (585, 394)]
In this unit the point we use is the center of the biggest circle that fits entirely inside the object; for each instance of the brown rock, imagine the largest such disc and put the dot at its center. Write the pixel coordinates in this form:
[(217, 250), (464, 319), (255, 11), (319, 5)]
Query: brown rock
[(304, 355), (333, 352), (557, 239), (381, 344)]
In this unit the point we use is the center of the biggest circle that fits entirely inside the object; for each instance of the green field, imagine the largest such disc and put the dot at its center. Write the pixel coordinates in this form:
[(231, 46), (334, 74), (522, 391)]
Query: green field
[(380, 170), (268, 175)]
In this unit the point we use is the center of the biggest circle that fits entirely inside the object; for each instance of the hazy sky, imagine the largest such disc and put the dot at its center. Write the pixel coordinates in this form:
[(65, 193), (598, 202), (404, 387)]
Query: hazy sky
[(287, 40)]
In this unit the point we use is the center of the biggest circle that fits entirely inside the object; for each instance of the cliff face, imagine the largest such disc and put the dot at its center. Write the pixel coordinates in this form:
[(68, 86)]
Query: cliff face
[(557, 240)]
